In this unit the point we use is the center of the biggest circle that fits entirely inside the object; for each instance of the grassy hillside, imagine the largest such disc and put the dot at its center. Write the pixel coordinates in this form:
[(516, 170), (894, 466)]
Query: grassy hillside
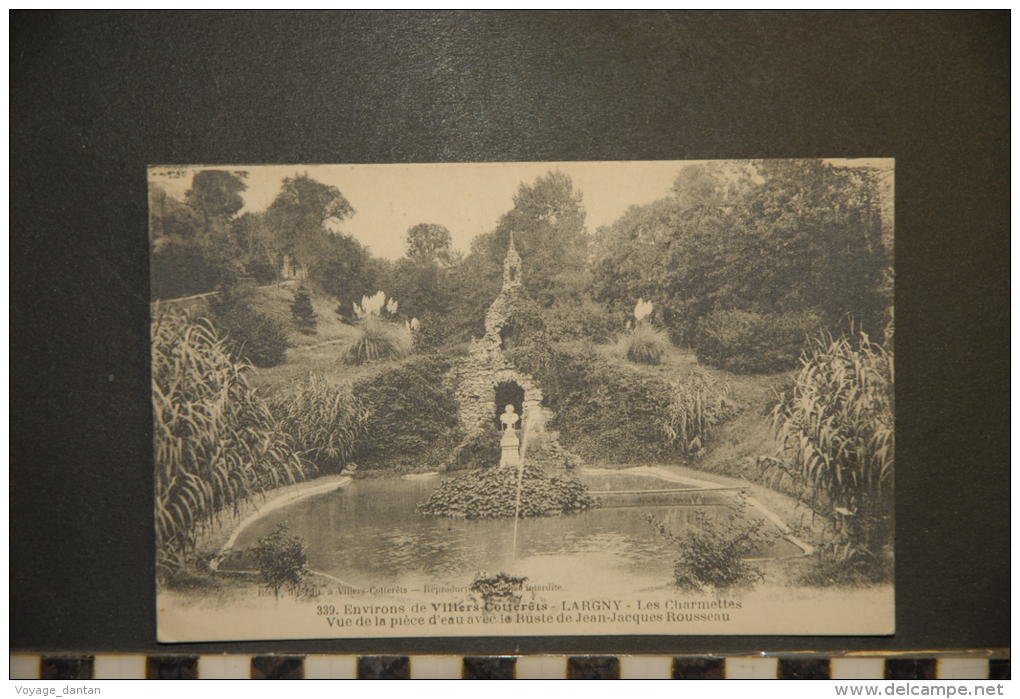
[(315, 353), (275, 301)]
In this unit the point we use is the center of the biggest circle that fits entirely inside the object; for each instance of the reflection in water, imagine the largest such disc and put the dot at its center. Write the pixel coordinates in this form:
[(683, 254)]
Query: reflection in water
[(369, 534)]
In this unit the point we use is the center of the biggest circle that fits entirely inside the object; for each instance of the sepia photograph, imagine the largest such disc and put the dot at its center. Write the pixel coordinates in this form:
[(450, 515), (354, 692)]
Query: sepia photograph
[(523, 398)]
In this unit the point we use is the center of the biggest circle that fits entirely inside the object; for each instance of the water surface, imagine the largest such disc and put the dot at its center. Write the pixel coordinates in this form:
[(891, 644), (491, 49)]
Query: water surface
[(368, 534)]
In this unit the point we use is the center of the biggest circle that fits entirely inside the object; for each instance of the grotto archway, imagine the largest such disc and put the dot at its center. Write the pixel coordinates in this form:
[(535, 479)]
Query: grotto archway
[(508, 393)]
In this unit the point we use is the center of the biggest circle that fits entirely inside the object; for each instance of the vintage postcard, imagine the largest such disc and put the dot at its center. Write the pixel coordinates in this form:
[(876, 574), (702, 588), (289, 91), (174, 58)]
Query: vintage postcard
[(521, 399)]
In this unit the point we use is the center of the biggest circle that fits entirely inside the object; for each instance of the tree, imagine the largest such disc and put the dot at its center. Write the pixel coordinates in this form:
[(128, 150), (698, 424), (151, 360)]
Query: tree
[(818, 239), (303, 311), (429, 242), (549, 233), (767, 237), (184, 259), (474, 283), (299, 216), (253, 240), (547, 221), (343, 270), (720, 184), (423, 287), (169, 217), (216, 194)]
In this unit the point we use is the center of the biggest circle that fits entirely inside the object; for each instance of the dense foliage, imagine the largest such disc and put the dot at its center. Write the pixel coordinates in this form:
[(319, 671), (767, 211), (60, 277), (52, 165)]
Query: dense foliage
[(429, 243), (192, 246), (412, 416), (782, 240), (250, 334), (714, 553), (342, 269), (551, 454), (547, 221), (216, 441), (767, 237), (202, 244), (434, 330), (184, 267), (423, 286), (299, 218), (745, 342), (280, 560), (303, 312), (323, 422), (604, 412), (583, 319), (610, 413), (837, 433), (492, 494)]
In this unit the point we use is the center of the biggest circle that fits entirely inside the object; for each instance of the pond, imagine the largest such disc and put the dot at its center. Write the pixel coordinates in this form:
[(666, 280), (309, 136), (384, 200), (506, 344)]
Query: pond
[(368, 534)]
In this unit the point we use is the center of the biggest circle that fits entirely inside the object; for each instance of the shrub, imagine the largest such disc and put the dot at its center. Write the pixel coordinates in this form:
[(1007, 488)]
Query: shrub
[(713, 553), (604, 412), (411, 416), (215, 440), (182, 267), (607, 412), (618, 419), (377, 339), (501, 587), (250, 335), (303, 312), (434, 331), (643, 345), (836, 431), (695, 405), (492, 494), (280, 560), (323, 422), (584, 320), (552, 454), (751, 343), (261, 269)]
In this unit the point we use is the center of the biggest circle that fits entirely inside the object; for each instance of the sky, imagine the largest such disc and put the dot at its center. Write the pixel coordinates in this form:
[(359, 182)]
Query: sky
[(467, 198)]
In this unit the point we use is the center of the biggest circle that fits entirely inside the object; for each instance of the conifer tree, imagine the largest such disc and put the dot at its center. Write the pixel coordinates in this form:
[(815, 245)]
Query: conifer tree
[(303, 312)]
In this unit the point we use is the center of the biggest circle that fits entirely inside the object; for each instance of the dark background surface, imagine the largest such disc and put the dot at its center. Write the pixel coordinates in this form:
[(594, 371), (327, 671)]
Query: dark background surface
[(95, 97)]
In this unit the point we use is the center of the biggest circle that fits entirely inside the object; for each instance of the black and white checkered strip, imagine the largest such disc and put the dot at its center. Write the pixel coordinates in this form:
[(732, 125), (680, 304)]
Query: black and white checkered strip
[(802, 666)]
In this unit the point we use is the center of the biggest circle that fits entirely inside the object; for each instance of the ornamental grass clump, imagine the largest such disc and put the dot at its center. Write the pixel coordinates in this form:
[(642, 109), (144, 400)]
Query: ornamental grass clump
[(215, 440), (836, 432), (492, 494), (644, 344), (323, 422), (377, 338), (696, 404)]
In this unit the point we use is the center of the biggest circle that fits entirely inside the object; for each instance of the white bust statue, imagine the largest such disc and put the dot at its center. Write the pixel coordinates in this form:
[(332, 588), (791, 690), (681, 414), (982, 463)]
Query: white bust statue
[(509, 418)]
